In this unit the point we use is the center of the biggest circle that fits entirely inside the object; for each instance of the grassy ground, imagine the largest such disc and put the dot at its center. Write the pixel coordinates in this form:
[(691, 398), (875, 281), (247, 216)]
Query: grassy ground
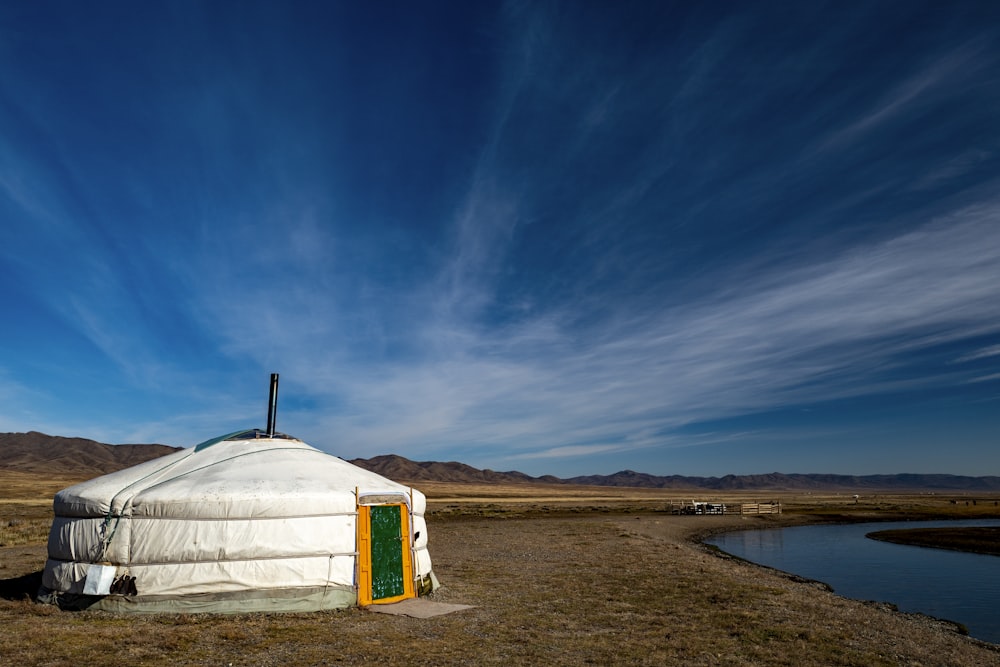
[(565, 577)]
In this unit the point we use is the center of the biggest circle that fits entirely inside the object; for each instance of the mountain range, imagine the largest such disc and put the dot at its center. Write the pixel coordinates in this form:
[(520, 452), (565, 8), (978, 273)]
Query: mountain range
[(40, 453)]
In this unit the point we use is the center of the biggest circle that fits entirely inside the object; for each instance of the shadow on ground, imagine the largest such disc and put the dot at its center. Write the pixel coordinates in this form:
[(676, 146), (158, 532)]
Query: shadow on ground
[(19, 588)]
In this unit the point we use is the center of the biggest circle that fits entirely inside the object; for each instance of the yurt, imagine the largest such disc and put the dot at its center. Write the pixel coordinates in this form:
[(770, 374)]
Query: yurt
[(251, 521)]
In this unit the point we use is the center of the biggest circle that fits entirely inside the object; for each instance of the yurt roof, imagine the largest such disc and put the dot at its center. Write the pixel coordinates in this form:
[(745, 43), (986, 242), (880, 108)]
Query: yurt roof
[(246, 474)]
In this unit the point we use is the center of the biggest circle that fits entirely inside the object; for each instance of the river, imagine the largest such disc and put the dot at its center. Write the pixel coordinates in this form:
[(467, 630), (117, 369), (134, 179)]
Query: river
[(952, 585)]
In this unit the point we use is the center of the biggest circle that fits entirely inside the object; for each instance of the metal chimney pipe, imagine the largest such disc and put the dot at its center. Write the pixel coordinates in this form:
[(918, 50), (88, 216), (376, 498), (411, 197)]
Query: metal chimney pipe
[(272, 406)]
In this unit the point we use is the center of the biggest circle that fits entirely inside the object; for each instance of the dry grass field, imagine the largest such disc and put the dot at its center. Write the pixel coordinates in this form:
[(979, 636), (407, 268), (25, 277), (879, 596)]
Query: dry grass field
[(557, 575)]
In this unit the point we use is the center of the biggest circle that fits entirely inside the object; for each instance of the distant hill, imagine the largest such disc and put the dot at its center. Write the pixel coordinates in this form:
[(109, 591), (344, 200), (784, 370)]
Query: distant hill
[(777, 481), (397, 467), (40, 453), (400, 468), (53, 454)]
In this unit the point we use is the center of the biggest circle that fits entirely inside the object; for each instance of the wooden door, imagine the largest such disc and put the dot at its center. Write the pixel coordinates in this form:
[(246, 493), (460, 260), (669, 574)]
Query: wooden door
[(385, 568)]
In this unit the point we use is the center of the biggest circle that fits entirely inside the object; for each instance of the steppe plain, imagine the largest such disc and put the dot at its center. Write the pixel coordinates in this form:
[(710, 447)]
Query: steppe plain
[(557, 576)]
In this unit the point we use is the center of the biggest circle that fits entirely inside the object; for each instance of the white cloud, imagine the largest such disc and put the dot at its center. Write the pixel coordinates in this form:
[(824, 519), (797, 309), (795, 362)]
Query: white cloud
[(540, 388), (932, 80), (982, 353), (986, 378), (571, 451)]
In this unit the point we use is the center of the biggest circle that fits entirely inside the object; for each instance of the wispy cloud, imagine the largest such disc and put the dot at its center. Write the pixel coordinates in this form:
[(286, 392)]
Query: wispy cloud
[(843, 327), (617, 361), (916, 93), (570, 451), (982, 353), (666, 221), (986, 378)]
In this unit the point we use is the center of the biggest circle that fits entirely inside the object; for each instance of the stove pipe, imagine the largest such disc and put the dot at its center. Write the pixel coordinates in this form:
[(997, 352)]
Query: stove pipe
[(272, 406)]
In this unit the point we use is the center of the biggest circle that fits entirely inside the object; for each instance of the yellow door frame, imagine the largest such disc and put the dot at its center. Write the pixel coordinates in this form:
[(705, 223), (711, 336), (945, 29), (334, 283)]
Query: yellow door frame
[(365, 556)]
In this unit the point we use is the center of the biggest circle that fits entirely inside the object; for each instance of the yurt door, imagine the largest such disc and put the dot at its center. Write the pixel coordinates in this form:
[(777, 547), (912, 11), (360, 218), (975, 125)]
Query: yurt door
[(385, 569)]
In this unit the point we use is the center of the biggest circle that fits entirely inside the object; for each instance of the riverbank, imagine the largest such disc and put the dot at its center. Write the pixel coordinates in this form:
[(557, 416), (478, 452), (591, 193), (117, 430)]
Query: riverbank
[(552, 581), (982, 540)]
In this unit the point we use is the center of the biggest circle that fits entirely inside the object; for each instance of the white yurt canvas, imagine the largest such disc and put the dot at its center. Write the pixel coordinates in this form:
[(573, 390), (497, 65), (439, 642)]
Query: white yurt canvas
[(251, 521)]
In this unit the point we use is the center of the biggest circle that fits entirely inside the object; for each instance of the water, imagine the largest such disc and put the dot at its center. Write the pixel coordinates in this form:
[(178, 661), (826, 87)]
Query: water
[(952, 585)]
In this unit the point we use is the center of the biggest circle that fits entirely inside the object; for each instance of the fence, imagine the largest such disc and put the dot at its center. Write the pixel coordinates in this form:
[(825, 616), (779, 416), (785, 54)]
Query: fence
[(695, 507)]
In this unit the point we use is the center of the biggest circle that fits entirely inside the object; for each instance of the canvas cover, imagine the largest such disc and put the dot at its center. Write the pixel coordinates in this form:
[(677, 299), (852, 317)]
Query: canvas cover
[(238, 523)]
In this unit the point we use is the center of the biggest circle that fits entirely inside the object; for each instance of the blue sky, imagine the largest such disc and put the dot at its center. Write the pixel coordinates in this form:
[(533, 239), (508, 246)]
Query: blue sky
[(562, 238)]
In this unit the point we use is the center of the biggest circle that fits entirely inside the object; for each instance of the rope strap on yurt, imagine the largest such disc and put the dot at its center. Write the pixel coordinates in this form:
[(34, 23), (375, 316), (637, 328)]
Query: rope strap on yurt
[(109, 535)]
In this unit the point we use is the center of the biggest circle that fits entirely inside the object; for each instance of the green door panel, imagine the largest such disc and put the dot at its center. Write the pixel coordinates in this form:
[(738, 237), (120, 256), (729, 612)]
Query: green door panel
[(387, 551)]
